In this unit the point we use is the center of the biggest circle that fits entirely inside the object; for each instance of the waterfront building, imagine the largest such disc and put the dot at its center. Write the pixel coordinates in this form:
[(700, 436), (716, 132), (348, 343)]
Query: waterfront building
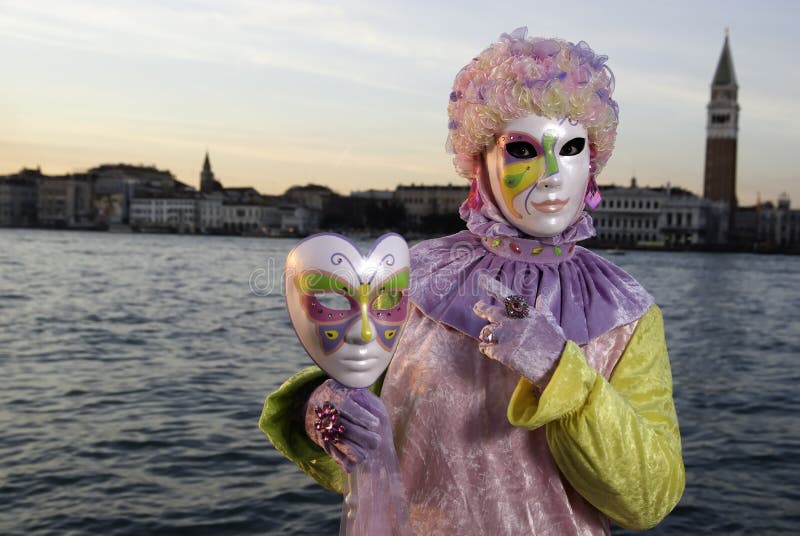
[(241, 218), (175, 213), (266, 220), (787, 225), (662, 216), (375, 195), (210, 213), (246, 195), (310, 196), (115, 185), (196, 213), (65, 201), (423, 202), (768, 227), (297, 220), (689, 220), (243, 210), (18, 198)]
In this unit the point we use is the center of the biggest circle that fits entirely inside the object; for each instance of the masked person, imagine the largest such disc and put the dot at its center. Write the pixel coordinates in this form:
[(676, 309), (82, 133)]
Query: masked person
[(530, 392)]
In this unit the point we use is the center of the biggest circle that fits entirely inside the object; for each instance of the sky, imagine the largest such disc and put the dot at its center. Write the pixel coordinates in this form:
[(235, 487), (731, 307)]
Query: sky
[(353, 95)]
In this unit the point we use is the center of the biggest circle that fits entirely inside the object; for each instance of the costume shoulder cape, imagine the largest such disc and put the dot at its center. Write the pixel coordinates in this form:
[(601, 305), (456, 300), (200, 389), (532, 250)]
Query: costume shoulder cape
[(587, 294)]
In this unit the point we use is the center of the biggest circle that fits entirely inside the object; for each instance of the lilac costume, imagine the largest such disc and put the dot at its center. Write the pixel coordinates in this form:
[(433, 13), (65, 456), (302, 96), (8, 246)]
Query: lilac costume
[(482, 451)]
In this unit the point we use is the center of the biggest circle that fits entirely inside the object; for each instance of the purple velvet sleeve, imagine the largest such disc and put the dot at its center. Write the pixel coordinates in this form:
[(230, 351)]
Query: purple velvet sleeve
[(376, 502)]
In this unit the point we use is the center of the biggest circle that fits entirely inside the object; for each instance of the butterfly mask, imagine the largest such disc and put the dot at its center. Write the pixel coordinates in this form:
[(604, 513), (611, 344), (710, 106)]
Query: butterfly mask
[(348, 309)]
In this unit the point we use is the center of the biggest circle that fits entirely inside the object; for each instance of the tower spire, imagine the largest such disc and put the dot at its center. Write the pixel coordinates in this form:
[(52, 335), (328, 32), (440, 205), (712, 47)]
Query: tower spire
[(208, 183), (725, 75)]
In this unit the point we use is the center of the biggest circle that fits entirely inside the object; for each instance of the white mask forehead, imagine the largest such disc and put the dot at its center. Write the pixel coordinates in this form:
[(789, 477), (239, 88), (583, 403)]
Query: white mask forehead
[(539, 172), (537, 125), (336, 255)]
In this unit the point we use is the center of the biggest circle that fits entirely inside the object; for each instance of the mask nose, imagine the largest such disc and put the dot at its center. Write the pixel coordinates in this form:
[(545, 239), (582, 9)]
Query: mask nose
[(551, 183), (360, 333)]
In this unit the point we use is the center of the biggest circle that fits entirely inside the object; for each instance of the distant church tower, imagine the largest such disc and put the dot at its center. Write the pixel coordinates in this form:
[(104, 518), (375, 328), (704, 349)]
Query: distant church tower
[(208, 183), (721, 132)]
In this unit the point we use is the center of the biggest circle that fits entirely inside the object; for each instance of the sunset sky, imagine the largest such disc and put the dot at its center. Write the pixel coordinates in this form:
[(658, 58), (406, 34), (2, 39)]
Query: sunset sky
[(353, 95)]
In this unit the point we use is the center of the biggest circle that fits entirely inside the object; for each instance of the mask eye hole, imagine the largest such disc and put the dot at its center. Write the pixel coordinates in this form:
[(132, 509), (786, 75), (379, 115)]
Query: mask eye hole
[(573, 147), (332, 300), (387, 300), (521, 149)]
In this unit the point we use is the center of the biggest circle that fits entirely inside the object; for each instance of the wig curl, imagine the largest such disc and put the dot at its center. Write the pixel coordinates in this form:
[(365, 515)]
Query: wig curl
[(521, 75)]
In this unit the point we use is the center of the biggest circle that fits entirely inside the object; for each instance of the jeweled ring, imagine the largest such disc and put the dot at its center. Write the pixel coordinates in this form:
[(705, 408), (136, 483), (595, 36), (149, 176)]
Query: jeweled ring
[(328, 423), (517, 306), (487, 335)]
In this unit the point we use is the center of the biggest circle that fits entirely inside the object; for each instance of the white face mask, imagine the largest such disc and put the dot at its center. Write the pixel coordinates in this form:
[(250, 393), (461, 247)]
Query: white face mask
[(539, 172), (348, 309)]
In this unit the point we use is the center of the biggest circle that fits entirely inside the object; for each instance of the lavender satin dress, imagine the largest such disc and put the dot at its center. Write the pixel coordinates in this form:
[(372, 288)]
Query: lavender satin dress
[(465, 468)]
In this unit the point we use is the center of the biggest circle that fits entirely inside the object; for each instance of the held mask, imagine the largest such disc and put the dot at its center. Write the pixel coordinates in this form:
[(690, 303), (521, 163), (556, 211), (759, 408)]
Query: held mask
[(539, 173), (348, 309)]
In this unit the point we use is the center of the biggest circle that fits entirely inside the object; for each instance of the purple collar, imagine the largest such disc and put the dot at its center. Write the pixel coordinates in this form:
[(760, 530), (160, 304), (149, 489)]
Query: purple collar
[(587, 294), (528, 250)]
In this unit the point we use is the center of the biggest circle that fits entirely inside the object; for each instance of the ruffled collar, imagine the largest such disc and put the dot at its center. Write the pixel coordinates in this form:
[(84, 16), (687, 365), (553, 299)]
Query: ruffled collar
[(587, 294)]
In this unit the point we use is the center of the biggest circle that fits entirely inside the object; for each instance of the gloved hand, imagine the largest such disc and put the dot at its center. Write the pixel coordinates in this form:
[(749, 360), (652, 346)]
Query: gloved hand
[(360, 413), (531, 345)]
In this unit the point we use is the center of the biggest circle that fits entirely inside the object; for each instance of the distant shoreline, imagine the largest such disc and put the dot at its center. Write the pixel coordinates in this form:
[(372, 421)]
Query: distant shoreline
[(594, 245)]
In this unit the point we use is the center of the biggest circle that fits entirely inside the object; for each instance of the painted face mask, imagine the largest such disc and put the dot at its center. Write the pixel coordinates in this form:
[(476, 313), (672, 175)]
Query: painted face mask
[(539, 173), (348, 309)]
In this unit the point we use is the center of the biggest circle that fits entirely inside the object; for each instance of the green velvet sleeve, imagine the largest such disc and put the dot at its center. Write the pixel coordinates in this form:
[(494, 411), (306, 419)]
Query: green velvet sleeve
[(282, 421), (617, 441)]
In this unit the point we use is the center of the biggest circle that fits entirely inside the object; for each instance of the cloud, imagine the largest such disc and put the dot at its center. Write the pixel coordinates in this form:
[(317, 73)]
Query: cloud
[(650, 86), (345, 43)]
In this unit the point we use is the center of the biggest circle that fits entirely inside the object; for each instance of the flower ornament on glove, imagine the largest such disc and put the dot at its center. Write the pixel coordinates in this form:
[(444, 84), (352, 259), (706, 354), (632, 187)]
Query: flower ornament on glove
[(525, 339), (327, 423), (516, 306)]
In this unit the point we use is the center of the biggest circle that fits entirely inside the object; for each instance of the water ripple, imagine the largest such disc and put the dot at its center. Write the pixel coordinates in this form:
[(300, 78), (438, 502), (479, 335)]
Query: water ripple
[(134, 369)]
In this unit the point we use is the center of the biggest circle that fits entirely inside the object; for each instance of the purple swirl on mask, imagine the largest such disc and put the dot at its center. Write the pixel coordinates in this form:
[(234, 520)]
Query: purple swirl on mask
[(337, 258)]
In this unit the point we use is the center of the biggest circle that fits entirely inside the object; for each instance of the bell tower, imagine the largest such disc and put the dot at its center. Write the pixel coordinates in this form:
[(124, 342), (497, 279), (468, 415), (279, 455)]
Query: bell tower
[(208, 184), (722, 128)]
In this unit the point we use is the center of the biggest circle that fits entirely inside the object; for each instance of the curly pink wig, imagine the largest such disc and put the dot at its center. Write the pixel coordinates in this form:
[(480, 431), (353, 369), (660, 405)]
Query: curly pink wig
[(518, 76)]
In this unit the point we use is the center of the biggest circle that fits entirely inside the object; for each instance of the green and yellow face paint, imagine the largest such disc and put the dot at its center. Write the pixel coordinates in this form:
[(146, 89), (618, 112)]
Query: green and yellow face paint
[(525, 161)]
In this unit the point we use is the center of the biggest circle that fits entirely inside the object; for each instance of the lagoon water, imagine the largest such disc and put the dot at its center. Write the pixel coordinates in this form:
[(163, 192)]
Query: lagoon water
[(133, 369)]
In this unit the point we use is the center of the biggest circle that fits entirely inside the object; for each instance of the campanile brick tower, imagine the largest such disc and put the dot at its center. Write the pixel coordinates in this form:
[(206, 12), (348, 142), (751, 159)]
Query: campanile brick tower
[(722, 129)]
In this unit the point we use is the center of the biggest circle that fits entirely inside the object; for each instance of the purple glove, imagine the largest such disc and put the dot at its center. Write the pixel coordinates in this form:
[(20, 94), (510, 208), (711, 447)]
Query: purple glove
[(361, 416), (530, 343)]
